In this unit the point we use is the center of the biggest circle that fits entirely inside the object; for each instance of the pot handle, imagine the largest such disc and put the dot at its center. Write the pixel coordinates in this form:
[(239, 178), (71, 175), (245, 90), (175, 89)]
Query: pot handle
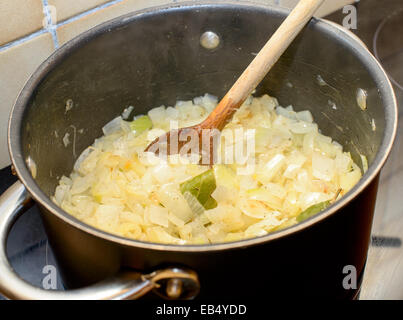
[(170, 283)]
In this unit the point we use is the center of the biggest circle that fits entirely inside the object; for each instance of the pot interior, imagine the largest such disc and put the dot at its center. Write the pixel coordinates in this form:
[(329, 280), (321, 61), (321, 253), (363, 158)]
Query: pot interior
[(156, 58)]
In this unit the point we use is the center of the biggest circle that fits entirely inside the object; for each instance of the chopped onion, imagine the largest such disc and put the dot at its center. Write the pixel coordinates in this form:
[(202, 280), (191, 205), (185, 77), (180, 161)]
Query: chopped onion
[(302, 127), (323, 167), (107, 217), (266, 173), (287, 113), (364, 163), (305, 116), (84, 155), (194, 205), (112, 126), (223, 194), (157, 114), (127, 112), (158, 215), (60, 193), (174, 201), (119, 188)]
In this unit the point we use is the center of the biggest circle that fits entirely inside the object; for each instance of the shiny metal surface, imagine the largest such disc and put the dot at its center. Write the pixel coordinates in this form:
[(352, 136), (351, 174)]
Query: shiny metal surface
[(174, 288), (209, 40)]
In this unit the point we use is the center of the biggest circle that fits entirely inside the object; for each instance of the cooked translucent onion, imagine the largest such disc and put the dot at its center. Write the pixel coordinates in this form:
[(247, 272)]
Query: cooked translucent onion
[(118, 188)]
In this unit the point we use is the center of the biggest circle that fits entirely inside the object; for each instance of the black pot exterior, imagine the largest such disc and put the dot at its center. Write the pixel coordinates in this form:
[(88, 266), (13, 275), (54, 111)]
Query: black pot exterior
[(155, 58)]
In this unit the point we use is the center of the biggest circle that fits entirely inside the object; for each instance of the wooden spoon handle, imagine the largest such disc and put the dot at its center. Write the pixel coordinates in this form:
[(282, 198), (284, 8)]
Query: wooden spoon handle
[(262, 63)]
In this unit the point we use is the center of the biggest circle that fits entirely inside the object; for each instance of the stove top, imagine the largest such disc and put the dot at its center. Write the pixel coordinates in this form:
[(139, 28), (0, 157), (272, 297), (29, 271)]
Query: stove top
[(380, 26)]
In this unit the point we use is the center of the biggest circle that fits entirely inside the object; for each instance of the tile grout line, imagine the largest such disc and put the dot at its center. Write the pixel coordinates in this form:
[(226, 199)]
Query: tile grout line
[(22, 40), (49, 26), (88, 12)]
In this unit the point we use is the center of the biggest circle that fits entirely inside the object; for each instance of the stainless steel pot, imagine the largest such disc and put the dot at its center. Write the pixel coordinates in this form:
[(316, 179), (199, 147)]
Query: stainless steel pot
[(154, 57)]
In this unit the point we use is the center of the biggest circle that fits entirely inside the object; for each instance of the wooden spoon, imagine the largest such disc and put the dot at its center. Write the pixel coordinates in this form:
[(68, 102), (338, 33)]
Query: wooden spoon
[(244, 86)]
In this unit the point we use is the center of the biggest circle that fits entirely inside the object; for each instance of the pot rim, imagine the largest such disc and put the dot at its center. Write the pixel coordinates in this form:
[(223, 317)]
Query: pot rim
[(325, 26)]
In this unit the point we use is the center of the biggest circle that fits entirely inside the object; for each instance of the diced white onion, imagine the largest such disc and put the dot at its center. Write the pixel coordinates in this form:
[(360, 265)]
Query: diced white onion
[(118, 187), (112, 126), (126, 113)]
